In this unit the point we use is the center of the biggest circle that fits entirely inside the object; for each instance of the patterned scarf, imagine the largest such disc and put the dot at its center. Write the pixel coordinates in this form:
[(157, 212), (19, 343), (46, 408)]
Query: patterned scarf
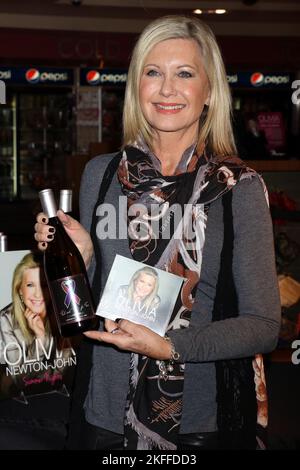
[(154, 405)]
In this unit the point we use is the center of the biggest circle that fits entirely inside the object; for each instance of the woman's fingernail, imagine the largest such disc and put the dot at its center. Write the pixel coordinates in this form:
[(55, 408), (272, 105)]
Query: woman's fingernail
[(44, 220), (43, 244), (50, 237), (51, 229)]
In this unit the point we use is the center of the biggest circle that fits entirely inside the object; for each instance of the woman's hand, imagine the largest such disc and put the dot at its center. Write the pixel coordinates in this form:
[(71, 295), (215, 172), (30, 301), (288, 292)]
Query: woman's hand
[(135, 338), (44, 234), (35, 323)]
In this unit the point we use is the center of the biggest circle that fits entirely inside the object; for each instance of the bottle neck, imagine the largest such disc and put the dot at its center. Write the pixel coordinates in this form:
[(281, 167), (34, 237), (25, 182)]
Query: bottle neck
[(54, 221), (66, 209), (3, 243), (65, 201)]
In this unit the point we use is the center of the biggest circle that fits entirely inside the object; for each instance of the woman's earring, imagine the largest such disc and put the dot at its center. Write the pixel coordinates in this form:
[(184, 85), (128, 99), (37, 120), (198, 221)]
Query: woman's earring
[(21, 298)]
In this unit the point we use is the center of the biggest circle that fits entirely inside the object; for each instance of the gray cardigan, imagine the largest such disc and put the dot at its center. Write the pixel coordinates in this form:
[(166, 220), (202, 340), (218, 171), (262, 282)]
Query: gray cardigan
[(255, 330)]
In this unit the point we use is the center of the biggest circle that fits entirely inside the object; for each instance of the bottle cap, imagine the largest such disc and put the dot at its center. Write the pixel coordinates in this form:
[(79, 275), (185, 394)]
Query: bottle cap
[(48, 202), (65, 200), (3, 242)]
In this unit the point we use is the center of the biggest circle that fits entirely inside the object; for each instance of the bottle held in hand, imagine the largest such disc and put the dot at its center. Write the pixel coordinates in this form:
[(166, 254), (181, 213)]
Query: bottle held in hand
[(3, 242), (66, 276), (65, 201)]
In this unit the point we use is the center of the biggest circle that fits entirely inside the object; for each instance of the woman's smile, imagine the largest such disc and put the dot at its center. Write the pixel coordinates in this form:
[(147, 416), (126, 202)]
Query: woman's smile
[(168, 108), (174, 88), (32, 293)]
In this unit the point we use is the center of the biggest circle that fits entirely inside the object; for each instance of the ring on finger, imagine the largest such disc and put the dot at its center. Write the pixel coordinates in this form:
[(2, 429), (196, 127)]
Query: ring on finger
[(114, 331)]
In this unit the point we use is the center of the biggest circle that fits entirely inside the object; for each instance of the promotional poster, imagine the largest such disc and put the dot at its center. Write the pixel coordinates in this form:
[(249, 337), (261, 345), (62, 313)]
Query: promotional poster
[(34, 358), (139, 293)]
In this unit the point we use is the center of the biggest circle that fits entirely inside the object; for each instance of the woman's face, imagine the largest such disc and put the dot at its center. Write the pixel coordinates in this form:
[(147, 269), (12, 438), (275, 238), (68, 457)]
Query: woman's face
[(174, 87), (31, 291), (144, 285)]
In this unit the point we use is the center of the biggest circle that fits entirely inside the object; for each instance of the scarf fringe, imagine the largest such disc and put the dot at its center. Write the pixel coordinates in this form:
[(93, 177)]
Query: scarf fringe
[(147, 439)]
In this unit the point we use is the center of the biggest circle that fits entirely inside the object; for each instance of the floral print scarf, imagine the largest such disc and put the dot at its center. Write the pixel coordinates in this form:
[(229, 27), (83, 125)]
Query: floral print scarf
[(154, 405)]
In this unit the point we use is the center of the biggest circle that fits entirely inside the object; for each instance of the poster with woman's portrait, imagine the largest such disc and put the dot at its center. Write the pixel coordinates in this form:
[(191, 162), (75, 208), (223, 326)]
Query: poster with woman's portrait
[(139, 293), (34, 358)]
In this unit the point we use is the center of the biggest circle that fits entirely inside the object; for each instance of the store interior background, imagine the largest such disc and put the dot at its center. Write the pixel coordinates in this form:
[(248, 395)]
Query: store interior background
[(49, 130)]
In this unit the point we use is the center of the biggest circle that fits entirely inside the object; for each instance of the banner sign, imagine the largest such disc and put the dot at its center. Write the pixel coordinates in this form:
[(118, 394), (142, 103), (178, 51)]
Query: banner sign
[(103, 77), (259, 80), (37, 76), (34, 358)]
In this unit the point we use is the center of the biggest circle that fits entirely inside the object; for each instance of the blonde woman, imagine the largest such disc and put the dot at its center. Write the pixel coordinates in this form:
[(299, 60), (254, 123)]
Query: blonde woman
[(193, 209), (24, 325), (141, 293)]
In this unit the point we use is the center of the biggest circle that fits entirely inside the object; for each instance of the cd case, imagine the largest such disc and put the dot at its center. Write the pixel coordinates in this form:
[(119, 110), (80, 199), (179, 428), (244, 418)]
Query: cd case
[(140, 293)]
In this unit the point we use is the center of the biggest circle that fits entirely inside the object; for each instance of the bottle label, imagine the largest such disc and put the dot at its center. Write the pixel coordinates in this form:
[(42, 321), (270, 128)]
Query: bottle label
[(72, 299)]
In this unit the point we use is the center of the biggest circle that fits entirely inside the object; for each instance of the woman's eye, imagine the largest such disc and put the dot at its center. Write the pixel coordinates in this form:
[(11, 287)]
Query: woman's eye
[(152, 73), (185, 74), (30, 284)]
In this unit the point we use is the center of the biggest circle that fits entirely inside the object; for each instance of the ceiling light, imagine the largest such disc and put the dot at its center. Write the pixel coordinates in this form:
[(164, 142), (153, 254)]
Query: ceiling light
[(218, 11)]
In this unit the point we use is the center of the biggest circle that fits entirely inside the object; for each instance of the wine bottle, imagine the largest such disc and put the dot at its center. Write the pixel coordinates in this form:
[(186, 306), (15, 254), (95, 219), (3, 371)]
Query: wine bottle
[(66, 276), (3, 242), (65, 201)]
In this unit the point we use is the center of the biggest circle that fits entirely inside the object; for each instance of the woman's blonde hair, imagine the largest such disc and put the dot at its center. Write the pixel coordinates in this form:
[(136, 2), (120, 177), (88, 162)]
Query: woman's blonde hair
[(153, 294), (215, 129), (29, 261)]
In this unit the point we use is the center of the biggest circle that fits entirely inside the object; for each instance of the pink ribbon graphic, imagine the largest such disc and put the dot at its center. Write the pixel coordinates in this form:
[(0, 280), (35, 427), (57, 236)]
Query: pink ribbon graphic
[(69, 288)]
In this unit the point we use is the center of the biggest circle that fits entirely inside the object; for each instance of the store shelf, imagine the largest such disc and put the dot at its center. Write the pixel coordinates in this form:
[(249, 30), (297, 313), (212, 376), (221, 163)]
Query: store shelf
[(274, 165)]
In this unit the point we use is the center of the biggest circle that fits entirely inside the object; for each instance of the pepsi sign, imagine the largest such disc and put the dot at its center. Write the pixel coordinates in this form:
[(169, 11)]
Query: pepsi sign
[(5, 74), (37, 75), (259, 80), (232, 79), (32, 75), (93, 77), (103, 77), (47, 76)]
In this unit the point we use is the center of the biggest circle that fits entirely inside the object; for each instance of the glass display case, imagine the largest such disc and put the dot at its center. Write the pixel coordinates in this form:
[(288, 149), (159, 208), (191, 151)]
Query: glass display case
[(45, 136), (36, 129), (8, 149)]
